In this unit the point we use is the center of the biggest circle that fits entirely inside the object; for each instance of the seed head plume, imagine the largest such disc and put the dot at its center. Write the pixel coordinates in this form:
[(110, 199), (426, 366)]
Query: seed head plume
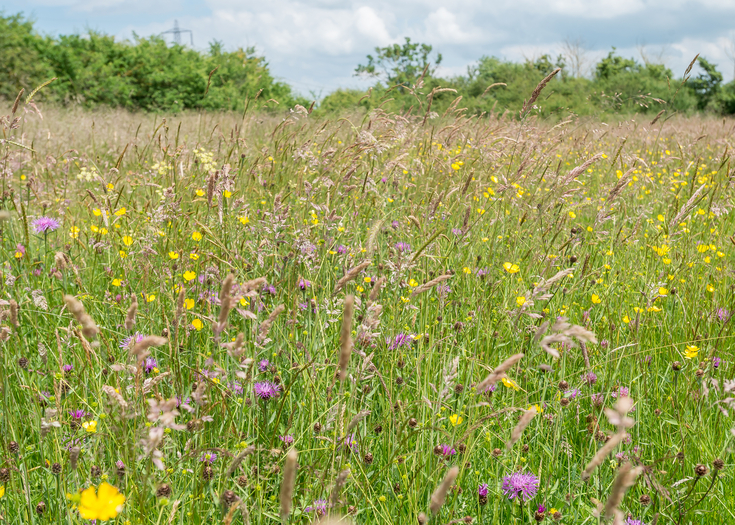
[(525, 420), (140, 349), (13, 313), (625, 479), (429, 285), (345, 337), (265, 326), (130, 317), (180, 305), (225, 306), (497, 374), (287, 485), (527, 105), (350, 275), (440, 493), (75, 306), (376, 290)]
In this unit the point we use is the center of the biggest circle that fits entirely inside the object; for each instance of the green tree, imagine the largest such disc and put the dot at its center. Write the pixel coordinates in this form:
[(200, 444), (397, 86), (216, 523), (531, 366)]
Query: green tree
[(400, 64), (706, 85), (20, 63)]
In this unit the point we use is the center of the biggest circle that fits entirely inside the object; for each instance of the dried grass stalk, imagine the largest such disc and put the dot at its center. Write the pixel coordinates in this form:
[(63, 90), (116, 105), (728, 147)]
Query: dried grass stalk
[(140, 349), (350, 275), (527, 105), (130, 317), (497, 374), (110, 391), (265, 326), (334, 495), (440, 494), (597, 460), (429, 285), (625, 479), (13, 313), (75, 306), (525, 420), (287, 485), (345, 336), (225, 305)]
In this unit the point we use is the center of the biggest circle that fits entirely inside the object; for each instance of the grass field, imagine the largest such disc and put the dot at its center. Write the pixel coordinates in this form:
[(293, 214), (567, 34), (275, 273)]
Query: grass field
[(436, 318)]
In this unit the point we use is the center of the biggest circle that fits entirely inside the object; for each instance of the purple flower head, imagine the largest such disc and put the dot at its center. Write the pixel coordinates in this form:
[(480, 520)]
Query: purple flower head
[(119, 464), (716, 362), (269, 289), (208, 457), (67, 368), (130, 340), (319, 506), (403, 247), (395, 224), (482, 490), (266, 390), (572, 394), (448, 451), (341, 249), (597, 400), (590, 378), (631, 521), (622, 391), (723, 315), (236, 388), (287, 439), (21, 249), (399, 341), (489, 389), (304, 284), (150, 364), (350, 442), (457, 231), (77, 414), (45, 225), (541, 509), (521, 485), (604, 344), (263, 365)]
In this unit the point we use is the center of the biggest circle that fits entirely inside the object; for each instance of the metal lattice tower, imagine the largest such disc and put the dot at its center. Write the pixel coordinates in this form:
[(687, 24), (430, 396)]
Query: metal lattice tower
[(176, 32)]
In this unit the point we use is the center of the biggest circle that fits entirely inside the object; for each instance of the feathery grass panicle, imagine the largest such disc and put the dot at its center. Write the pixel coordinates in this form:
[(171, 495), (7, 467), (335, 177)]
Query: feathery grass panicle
[(140, 349), (430, 284), (345, 337), (601, 454), (627, 475), (350, 275), (75, 306), (439, 495), (225, 306), (265, 326), (14, 313), (499, 372), (287, 484), (130, 316), (525, 420), (528, 104)]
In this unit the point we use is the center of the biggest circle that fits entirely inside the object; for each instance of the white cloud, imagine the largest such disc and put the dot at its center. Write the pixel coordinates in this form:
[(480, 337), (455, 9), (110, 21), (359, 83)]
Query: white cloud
[(442, 27)]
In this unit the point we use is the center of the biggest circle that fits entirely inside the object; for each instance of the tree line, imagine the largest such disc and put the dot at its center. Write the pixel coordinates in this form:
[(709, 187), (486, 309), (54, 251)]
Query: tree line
[(150, 74)]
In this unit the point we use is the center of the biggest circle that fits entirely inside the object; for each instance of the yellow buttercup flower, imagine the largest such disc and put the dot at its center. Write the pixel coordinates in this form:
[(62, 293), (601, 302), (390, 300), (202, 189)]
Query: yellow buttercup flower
[(173, 255), (90, 426), (127, 240), (511, 267), (520, 301), (189, 303), (596, 299), (455, 420), (116, 282), (691, 351), (511, 384), (197, 323), (196, 236), (105, 504), (190, 276)]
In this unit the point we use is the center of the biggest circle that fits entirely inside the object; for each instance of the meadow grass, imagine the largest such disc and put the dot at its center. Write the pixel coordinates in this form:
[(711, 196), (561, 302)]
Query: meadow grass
[(419, 309)]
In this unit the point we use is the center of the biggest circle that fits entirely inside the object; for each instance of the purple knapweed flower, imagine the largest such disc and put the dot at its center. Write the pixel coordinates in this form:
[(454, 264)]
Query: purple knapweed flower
[(723, 315), (45, 225), (77, 414), (304, 284), (631, 521), (572, 393), (209, 457), (67, 368), (399, 341), (150, 364), (716, 362), (403, 247), (130, 340), (266, 390), (589, 378), (236, 388), (287, 439), (350, 442), (457, 231), (482, 490), (263, 365), (448, 451), (395, 224), (341, 249), (269, 289), (319, 506), (521, 485)]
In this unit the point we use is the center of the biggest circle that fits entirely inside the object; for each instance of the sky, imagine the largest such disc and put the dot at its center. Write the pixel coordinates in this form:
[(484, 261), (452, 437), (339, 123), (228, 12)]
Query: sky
[(315, 45)]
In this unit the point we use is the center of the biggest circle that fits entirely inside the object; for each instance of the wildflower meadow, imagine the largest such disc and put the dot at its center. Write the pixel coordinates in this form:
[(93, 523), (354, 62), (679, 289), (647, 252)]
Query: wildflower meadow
[(275, 317)]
